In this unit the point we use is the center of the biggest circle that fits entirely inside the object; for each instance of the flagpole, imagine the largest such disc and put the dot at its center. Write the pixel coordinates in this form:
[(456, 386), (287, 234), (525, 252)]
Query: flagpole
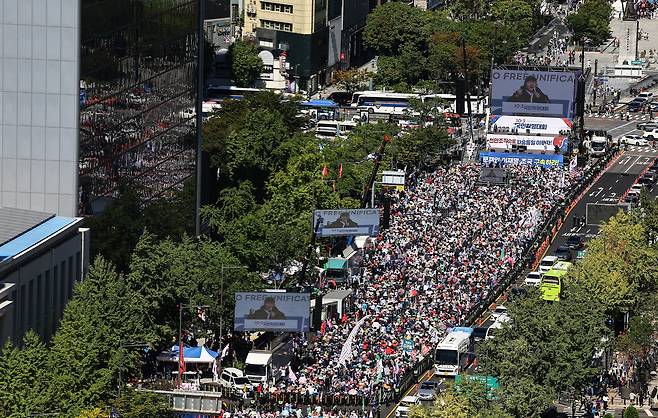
[(180, 342)]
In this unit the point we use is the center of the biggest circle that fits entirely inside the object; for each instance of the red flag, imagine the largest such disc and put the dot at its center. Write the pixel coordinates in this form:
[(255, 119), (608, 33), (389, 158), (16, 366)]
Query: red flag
[(325, 171), (181, 360), (340, 171)]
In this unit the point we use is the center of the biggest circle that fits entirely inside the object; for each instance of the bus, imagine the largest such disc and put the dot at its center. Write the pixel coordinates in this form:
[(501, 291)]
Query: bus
[(328, 129), (452, 355), (551, 282), (383, 102), (219, 93)]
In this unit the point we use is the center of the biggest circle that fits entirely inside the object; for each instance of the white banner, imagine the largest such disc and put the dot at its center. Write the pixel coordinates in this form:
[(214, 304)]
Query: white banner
[(332, 223), (529, 125), (532, 143)]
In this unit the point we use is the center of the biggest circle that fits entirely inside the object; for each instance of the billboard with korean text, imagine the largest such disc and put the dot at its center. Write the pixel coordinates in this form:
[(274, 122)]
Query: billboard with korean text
[(531, 143), (272, 311), (529, 125), (346, 222), (507, 159), (529, 92)]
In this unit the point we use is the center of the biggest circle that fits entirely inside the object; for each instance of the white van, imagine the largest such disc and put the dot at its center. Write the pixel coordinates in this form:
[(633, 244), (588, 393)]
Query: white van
[(547, 263)]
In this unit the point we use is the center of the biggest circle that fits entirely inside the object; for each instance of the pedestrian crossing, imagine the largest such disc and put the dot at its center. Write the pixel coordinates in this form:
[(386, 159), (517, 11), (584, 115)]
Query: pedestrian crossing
[(620, 116), (642, 149)]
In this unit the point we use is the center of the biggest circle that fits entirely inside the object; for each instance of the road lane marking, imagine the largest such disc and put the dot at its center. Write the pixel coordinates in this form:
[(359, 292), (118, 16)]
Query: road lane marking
[(621, 126), (648, 412), (629, 167)]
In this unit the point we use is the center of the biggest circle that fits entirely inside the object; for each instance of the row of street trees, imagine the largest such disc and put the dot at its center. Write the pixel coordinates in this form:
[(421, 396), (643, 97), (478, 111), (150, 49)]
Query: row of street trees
[(550, 349)]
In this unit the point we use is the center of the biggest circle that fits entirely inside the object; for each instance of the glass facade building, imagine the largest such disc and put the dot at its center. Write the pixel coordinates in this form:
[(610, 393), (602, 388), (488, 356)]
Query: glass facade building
[(137, 93)]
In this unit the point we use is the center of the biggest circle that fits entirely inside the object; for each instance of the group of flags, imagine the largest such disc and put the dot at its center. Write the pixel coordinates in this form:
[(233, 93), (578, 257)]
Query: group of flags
[(325, 171)]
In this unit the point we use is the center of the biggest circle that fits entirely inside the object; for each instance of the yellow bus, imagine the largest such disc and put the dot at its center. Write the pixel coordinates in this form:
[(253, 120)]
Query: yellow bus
[(551, 282)]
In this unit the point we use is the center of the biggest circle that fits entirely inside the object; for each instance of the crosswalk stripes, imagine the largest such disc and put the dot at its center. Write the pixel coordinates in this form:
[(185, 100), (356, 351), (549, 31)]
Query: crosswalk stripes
[(639, 148), (621, 116)]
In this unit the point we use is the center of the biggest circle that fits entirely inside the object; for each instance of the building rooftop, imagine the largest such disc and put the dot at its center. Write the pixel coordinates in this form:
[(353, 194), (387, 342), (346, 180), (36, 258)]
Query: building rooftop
[(21, 229)]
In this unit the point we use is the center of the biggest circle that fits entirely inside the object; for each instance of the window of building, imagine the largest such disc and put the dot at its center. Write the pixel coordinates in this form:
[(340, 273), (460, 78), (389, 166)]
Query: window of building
[(276, 7), (272, 24)]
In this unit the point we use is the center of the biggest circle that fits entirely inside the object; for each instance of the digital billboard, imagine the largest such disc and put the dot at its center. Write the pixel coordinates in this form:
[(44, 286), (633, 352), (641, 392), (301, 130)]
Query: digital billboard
[(345, 222), (533, 93), (531, 143), (507, 159), (272, 311), (529, 125)]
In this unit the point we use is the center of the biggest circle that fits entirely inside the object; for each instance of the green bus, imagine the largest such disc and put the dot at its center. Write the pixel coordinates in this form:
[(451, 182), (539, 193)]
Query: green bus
[(551, 282)]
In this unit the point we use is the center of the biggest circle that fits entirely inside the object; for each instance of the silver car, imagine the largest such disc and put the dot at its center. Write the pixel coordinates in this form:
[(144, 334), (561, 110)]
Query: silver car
[(428, 390)]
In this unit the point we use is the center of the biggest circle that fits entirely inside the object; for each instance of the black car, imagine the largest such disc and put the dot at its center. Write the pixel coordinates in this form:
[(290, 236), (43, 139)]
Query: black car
[(635, 105), (516, 293), (479, 333), (575, 242), (563, 253), (648, 178), (343, 98)]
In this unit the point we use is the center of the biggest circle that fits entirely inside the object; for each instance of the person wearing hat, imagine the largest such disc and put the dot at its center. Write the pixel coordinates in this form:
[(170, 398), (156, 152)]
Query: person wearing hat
[(529, 92), (268, 310)]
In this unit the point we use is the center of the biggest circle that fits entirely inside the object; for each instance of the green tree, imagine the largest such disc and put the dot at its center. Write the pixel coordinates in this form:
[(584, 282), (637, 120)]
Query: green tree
[(23, 377), (469, 399), (351, 79), (246, 65), (631, 412), (422, 146), (514, 13), (392, 25), (545, 349), (638, 337), (592, 20)]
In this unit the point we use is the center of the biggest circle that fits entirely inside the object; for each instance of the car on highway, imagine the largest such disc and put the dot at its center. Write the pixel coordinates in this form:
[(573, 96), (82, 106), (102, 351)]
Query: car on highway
[(533, 278), (651, 134), (428, 390), (650, 124), (635, 105), (563, 253), (575, 242), (405, 405), (547, 263), (634, 140), (498, 312)]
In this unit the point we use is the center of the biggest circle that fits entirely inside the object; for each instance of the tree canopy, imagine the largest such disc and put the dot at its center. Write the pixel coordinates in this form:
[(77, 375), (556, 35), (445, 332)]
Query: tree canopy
[(246, 65), (592, 21)]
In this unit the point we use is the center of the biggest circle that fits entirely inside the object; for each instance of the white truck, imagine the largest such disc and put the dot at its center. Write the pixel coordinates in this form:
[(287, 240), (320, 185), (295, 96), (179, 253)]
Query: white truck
[(269, 365), (598, 143)]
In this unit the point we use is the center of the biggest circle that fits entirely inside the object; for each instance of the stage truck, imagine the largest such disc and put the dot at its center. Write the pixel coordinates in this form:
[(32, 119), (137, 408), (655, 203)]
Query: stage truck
[(268, 362)]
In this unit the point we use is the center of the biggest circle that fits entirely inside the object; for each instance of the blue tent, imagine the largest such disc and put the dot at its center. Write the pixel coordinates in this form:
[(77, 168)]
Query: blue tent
[(190, 354)]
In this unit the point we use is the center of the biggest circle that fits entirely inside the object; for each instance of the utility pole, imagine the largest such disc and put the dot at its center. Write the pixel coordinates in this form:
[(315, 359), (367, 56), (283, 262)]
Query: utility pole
[(201, 37), (596, 68)]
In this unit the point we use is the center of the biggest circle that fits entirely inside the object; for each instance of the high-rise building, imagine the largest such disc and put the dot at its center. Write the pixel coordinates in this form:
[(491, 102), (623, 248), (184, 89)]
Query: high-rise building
[(137, 90), (316, 36), (39, 60)]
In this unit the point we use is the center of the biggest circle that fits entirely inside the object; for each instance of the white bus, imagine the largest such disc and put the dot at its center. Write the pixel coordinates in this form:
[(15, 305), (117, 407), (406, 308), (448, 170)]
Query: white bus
[(219, 93), (327, 129), (452, 354), (383, 102)]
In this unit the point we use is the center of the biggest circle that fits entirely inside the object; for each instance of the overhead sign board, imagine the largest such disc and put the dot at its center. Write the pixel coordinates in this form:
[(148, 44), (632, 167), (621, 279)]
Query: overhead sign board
[(268, 311), (531, 143), (345, 222), (530, 92), (529, 125), (509, 159)]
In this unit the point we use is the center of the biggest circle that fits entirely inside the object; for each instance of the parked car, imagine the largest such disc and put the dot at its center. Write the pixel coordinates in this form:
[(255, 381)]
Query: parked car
[(650, 124), (428, 390), (649, 177), (547, 263), (479, 333), (533, 278), (575, 242), (563, 253)]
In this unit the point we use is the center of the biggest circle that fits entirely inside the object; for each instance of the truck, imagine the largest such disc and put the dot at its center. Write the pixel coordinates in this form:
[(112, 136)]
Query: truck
[(269, 364), (598, 142)]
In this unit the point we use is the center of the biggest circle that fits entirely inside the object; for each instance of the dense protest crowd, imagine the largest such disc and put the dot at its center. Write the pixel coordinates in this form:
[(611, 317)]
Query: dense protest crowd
[(450, 243)]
